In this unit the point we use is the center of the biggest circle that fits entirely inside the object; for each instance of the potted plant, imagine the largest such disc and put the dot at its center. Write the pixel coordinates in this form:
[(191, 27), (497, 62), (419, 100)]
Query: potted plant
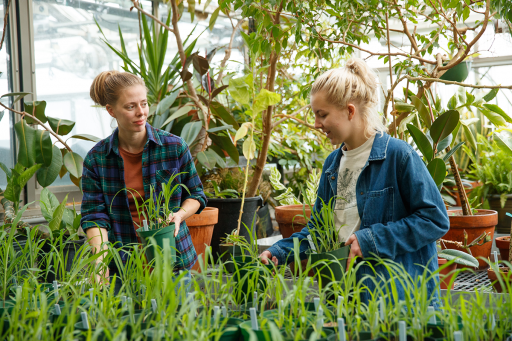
[(458, 257)]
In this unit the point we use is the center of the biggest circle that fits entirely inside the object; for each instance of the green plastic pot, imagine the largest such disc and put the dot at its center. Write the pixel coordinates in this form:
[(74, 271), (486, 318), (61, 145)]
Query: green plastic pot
[(325, 333), (142, 319), (159, 235), (231, 330), (102, 335), (438, 330), (338, 269), (458, 73), (261, 335)]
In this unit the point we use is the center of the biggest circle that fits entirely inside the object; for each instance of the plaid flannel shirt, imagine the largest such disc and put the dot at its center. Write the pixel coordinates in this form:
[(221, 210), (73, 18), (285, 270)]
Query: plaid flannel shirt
[(103, 176)]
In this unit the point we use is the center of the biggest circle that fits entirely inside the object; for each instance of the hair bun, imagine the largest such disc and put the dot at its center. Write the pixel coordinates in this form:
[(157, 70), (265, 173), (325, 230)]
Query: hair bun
[(352, 65)]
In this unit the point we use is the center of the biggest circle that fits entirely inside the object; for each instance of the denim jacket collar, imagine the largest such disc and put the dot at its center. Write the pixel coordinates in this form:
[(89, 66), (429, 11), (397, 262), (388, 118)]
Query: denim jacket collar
[(378, 152), (113, 142)]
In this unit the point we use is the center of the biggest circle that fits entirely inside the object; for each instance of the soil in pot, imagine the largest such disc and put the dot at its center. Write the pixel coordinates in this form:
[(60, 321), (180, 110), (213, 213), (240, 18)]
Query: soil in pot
[(164, 233), (69, 250), (446, 274), (201, 230), (475, 225), (505, 275), (289, 220), (503, 244)]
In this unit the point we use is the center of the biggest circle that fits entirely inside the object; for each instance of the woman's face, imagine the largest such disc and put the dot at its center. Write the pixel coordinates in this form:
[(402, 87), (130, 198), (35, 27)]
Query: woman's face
[(336, 123), (131, 109)]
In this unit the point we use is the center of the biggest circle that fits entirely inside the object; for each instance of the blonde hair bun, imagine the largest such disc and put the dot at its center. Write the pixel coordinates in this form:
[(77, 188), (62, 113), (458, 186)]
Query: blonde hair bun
[(108, 85)]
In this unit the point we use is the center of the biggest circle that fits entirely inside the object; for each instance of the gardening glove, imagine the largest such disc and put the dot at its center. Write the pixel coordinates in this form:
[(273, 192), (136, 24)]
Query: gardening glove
[(355, 249), (265, 256)]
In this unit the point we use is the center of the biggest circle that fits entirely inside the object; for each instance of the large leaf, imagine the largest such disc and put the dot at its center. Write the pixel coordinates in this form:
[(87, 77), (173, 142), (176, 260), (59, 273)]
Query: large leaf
[(177, 114), (74, 164), (491, 94), (499, 111), (49, 203), (249, 148), (239, 90), (213, 18), (47, 175), (86, 137), (6, 170), (61, 126), (43, 146), (26, 137), (201, 64), (452, 151), (437, 169), (227, 145), (19, 179), (221, 128), (166, 103), (504, 140), (57, 215), (17, 95), (495, 118), (444, 125), (190, 131), (460, 257), (265, 99), (444, 143), (421, 141), (220, 111), (36, 109), (469, 136), (207, 158), (422, 111)]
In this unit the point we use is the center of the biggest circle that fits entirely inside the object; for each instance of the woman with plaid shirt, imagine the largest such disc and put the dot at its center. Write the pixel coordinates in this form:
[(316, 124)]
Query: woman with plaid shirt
[(135, 156)]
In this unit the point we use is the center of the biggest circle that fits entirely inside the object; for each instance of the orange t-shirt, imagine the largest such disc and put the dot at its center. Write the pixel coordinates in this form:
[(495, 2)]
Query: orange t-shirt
[(133, 181)]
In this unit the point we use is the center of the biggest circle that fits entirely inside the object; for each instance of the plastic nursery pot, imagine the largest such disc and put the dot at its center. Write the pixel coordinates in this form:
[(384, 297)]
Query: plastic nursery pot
[(160, 235), (102, 336), (446, 274), (505, 275), (458, 73), (503, 244), (288, 218), (141, 319), (69, 249), (255, 273), (475, 225), (324, 334), (230, 331), (438, 330), (332, 270), (263, 334)]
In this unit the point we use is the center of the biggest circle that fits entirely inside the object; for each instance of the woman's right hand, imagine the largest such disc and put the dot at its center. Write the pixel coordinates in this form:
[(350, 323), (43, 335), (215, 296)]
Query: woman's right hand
[(265, 256)]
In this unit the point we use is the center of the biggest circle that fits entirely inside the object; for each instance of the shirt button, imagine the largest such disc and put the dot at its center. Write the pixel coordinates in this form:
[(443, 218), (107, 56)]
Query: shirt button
[(332, 177), (362, 193)]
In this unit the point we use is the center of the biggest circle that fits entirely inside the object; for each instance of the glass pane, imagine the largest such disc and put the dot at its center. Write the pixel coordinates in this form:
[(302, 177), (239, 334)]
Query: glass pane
[(70, 52), (6, 153)]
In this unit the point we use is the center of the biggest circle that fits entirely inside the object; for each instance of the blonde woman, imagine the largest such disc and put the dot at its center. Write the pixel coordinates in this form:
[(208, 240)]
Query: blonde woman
[(391, 207)]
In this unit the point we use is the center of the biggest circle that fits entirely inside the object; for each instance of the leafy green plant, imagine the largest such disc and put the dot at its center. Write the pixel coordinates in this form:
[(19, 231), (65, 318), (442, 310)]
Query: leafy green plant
[(17, 178), (218, 193), (58, 216), (288, 198), (324, 234)]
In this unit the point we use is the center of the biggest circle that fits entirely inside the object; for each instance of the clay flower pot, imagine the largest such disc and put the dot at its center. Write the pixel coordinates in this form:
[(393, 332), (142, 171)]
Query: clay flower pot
[(201, 230), (285, 218), (446, 274), (475, 225), (503, 244), (504, 272)]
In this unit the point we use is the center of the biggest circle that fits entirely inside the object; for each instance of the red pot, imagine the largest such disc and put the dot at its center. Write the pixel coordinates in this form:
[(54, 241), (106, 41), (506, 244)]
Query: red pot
[(503, 244), (475, 225), (201, 230), (289, 220), (446, 274)]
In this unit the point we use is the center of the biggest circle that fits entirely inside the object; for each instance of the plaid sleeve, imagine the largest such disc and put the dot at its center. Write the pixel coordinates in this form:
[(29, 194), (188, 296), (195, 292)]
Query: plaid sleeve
[(190, 178), (94, 209)]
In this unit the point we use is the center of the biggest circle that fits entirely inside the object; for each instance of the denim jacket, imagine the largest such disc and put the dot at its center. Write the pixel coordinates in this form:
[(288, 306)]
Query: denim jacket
[(401, 210)]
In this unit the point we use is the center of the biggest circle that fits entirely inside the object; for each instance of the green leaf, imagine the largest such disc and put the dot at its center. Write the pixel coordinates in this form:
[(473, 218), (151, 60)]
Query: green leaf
[(265, 99), (499, 111), (36, 109), (6, 170), (57, 215), (18, 95), (421, 141), (452, 151), (221, 128), (495, 118), (452, 103), (239, 90), (27, 175), (177, 114), (444, 125), (60, 126), (201, 64), (460, 257), (249, 148), (74, 164), (43, 146), (166, 103), (190, 132), (227, 145), (86, 137), (491, 94), (437, 169), (26, 137), (49, 203), (422, 111), (504, 140), (220, 111), (47, 175), (469, 136), (207, 159)]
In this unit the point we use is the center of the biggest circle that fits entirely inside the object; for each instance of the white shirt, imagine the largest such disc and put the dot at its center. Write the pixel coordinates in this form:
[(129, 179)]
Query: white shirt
[(351, 164)]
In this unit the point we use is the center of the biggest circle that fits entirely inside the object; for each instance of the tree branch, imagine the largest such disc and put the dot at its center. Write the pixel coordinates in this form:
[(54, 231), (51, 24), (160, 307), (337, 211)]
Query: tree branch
[(5, 23), (136, 6), (286, 117), (227, 53), (458, 83)]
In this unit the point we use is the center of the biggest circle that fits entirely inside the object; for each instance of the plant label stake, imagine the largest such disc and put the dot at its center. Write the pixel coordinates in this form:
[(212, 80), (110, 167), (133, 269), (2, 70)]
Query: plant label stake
[(316, 301), (91, 296), (493, 322), (457, 336), (224, 312), (495, 253), (281, 308), (341, 329), (320, 319), (254, 319), (153, 305), (216, 313), (143, 290), (381, 308), (145, 225), (123, 303), (56, 289), (14, 282), (255, 300), (311, 244), (85, 321), (402, 333), (340, 306), (18, 293), (56, 310), (432, 312)]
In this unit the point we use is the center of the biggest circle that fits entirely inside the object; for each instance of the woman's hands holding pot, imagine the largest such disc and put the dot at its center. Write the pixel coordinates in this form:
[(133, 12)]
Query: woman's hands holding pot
[(265, 256), (355, 249)]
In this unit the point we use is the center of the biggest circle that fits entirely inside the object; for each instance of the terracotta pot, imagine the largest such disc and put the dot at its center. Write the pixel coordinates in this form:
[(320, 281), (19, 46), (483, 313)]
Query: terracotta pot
[(453, 191), (475, 225), (201, 230), (285, 218), (494, 278), (446, 274), (503, 244)]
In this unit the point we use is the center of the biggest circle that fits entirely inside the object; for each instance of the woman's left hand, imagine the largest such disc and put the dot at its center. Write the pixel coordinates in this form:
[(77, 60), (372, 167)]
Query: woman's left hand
[(176, 219), (355, 249)]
